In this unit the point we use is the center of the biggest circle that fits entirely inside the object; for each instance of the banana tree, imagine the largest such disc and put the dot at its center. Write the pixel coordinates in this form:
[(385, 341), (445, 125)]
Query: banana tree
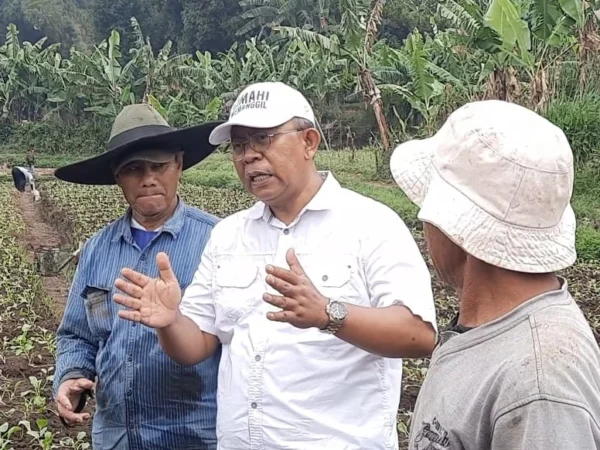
[(512, 38), (412, 74), (154, 73), (357, 34), (107, 84), (26, 76)]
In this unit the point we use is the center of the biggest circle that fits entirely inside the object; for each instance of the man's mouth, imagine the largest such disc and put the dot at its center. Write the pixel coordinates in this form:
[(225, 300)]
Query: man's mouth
[(258, 177), (148, 195)]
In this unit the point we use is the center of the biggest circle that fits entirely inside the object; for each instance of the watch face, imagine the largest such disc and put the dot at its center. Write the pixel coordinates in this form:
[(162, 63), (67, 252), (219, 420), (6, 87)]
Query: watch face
[(337, 311)]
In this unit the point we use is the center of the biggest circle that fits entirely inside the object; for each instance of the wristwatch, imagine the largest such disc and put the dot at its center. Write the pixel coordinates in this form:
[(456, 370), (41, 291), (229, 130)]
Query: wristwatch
[(337, 312)]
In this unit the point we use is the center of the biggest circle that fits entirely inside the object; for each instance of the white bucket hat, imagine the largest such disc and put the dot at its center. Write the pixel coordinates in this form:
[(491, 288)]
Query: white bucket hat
[(497, 179), (264, 105)]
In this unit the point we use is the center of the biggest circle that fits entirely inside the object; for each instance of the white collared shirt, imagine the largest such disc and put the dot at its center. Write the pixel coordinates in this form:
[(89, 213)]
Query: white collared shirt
[(281, 387)]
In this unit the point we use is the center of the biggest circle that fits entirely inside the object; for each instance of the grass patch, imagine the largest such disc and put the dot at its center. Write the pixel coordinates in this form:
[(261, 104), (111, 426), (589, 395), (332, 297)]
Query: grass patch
[(586, 203)]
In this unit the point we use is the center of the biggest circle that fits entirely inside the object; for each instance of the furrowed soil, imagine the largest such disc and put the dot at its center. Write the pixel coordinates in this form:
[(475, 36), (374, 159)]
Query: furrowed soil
[(22, 399)]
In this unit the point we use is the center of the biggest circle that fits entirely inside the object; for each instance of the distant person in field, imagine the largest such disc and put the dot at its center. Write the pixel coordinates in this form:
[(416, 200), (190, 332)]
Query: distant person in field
[(519, 367), (30, 159), (315, 293), (144, 400), (24, 177)]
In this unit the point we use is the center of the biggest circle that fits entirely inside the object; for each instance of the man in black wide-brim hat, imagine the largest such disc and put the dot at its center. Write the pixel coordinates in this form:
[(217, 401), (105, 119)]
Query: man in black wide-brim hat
[(144, 400)]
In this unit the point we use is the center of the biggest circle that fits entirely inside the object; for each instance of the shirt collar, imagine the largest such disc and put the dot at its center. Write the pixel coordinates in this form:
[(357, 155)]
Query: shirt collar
[(325, 199), (135, 224), (173, 225)]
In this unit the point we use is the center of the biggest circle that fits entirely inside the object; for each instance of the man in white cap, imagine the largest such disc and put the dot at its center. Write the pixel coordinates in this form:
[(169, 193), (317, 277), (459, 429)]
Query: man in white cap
[(315, 292), (519, 368)]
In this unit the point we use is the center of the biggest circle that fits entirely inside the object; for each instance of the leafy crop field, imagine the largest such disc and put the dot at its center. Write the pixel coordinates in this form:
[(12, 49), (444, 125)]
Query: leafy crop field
[(29, 314)]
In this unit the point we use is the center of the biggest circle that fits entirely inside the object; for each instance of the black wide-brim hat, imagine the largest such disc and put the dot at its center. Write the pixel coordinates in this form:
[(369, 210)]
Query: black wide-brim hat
[(138, 127)]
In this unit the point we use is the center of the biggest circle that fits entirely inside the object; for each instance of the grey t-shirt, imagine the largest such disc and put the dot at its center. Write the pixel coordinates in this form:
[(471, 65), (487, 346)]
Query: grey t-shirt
[(529, 380)]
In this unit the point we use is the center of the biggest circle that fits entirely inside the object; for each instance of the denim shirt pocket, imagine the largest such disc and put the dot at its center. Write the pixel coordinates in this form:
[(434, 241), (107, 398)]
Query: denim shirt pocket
[(99, 312)]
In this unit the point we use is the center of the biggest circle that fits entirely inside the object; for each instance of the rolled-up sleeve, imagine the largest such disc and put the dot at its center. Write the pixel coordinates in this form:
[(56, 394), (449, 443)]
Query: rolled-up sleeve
[(198, 300), (396, 273), (76, 346)]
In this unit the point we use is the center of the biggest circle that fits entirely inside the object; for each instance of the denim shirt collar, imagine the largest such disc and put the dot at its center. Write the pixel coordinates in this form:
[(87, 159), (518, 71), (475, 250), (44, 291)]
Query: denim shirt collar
[(173, 225)]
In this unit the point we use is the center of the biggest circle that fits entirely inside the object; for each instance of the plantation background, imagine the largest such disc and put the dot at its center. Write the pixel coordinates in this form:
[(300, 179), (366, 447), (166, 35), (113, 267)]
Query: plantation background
[(377, 73)]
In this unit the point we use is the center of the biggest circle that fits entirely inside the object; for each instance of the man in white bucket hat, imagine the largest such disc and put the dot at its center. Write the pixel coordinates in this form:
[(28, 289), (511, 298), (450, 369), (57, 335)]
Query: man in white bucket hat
[(519, 368), (316, 293)]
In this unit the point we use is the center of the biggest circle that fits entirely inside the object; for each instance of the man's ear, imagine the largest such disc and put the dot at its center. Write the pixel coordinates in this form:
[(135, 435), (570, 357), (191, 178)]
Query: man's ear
[(312, 140), (117, 179), (179, 159)]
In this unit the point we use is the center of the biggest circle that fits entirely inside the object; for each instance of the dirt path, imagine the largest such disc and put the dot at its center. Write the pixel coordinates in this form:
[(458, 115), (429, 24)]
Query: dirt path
[(41, 239)]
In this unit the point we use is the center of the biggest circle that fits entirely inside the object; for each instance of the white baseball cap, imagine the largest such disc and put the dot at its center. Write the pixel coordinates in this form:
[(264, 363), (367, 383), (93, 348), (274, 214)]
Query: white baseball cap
[(497, 179), (264, 105)]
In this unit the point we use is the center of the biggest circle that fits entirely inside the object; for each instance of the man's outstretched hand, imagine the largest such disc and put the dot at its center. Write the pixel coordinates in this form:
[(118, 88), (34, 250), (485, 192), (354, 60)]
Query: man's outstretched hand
[(302, 304), (153, 302)]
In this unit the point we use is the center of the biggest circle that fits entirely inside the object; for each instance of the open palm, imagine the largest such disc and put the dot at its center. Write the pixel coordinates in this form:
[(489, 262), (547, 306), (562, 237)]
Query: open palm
[(153, 302)]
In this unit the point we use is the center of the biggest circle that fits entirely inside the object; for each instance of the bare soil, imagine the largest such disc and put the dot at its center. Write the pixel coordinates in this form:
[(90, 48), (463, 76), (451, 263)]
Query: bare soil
[(38, 239)]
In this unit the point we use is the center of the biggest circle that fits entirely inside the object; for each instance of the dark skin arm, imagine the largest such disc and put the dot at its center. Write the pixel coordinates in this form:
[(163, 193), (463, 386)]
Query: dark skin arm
[(185, 343), (392, 332)]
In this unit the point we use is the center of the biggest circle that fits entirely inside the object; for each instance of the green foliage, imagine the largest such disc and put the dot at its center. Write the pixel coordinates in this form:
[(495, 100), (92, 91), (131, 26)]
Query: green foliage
[(504, 17), (579, 118), (59, 138), (61, 20), (209, 25), (401, 17), (588, 243)]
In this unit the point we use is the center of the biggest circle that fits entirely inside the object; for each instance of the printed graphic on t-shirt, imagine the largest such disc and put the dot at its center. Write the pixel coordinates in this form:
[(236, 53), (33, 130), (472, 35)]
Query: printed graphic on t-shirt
[(432, 436)]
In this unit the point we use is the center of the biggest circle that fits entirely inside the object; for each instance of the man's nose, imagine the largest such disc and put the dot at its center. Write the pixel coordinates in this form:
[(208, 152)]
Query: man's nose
[(250, 155), (148, 178)]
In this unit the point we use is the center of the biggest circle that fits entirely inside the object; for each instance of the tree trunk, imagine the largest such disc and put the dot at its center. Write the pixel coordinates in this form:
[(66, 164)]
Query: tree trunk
[(371, 92), (589, 44), (372, 97)]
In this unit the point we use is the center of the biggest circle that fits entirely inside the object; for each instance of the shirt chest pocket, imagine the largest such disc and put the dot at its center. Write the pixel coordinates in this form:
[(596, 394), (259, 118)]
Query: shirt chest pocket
[(239, 288), (334, 277), (99, 309)]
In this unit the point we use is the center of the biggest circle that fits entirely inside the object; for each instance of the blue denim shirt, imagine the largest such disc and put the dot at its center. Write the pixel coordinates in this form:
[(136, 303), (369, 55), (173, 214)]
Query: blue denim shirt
[(144, 400)]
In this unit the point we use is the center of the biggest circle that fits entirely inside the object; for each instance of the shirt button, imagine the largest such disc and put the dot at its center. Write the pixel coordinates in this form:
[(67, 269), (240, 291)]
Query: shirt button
[(325, 278), (129, 392), (286, 231), (143, 258), (254, 405), (129, 358), (257, 358)]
